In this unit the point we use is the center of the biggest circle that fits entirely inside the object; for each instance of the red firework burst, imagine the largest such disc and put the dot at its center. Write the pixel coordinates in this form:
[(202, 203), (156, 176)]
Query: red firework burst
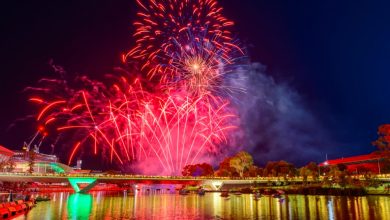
[(129, 125), (188, 46)]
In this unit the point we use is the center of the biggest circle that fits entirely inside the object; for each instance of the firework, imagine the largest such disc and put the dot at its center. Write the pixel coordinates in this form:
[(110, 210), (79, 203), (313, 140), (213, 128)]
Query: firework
[(129, 125), (184, 43), (174, 121)]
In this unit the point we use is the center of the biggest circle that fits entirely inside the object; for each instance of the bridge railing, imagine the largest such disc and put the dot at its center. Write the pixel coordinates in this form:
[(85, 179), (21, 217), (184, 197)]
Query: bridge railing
[(131, 176)]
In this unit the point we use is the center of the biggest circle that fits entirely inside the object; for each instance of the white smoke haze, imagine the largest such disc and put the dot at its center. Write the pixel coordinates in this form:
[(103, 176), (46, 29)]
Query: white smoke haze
[(276, 124)]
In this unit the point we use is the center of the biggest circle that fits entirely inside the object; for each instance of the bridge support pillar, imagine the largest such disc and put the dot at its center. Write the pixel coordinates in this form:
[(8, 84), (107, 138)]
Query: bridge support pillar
[(134, 187), (214, 184), (75, 181)]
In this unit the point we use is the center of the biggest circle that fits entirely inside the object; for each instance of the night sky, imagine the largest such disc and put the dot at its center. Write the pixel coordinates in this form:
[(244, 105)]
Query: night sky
[(335, 55)]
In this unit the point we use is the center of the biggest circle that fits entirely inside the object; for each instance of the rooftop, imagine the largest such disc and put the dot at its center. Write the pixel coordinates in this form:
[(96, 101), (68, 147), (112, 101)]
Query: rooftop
[(354, 159), (6, 151)]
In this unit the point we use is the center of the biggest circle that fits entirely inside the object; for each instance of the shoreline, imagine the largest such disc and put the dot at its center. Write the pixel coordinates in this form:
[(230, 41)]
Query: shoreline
[(330, 190), (312, 190)]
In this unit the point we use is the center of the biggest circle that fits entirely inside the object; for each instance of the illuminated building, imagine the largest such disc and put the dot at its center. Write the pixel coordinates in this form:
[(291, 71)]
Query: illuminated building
[(38, 157), (43, 163)]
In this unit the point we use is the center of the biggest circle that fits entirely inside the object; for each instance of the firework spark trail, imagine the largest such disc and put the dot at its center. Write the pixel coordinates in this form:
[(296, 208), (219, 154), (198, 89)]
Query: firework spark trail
[(185, 45), (167, 125)]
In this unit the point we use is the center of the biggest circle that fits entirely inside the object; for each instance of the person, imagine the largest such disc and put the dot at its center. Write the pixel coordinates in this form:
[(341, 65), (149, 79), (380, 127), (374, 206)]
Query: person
[(10, 196)]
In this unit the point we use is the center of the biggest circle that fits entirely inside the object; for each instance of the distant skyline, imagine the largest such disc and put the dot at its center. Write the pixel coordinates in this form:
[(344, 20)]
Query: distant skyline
[(333, 55)]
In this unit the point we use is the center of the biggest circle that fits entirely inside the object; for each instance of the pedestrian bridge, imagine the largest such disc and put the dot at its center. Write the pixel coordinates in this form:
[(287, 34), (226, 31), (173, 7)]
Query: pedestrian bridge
[(214, 182)]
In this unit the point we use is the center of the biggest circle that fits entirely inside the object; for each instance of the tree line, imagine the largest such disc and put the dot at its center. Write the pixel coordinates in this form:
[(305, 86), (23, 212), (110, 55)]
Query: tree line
[(242, 165)]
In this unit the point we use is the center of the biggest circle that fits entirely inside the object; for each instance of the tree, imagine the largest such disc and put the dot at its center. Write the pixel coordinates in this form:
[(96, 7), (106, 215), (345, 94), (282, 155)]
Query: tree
[(254, 171), (383, 141), (342, 167), (269, 169), (223, 173), (279, 168), (304, 172), (339, 176), (225, 164), (203, 169), (385, 165), (208, 170), (311, 169), (314, 169), (286, 169), (224, 169), (188, 170), (241, 162), (324, 170)]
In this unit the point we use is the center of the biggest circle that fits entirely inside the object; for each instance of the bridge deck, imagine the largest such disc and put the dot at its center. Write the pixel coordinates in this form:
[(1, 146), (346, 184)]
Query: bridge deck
[(16, 177)]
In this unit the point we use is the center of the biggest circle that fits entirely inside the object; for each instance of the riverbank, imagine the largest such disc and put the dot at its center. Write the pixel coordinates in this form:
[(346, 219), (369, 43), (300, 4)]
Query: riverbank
[(334, 190), (330, 190)]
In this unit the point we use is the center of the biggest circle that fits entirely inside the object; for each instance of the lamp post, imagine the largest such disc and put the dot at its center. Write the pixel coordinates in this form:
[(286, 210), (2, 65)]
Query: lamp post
[(379, 167)]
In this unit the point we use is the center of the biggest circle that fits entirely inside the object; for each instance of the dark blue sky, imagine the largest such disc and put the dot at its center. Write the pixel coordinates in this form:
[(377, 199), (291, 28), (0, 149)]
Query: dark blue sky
[(335, 54)]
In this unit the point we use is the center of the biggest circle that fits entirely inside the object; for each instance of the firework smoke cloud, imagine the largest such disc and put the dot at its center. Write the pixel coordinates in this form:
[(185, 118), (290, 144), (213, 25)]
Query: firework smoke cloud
[(276, 123)]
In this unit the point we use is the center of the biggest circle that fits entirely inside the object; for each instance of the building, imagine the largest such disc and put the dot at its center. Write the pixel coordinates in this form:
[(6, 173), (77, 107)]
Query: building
[(43, 163), (5, 154), (372, 162), (38, 157)]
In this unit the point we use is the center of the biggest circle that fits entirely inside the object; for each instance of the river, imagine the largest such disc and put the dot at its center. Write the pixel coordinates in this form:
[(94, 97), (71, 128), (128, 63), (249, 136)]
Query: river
[(161, 206)]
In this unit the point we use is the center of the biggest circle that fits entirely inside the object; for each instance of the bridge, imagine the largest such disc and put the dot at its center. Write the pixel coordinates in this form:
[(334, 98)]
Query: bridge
[(214, 183)]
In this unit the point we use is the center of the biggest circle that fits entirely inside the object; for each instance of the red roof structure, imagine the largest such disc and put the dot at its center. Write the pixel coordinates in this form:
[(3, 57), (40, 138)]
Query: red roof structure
[(354, 159), (369, 161), (6, 152)]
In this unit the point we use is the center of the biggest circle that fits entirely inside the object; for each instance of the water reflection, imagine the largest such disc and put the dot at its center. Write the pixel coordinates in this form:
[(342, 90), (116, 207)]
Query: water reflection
[(211, 206), (79, 206)]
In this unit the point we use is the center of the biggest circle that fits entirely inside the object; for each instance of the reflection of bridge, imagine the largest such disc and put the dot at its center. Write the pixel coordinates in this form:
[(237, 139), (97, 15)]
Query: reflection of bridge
[(214, 182)]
